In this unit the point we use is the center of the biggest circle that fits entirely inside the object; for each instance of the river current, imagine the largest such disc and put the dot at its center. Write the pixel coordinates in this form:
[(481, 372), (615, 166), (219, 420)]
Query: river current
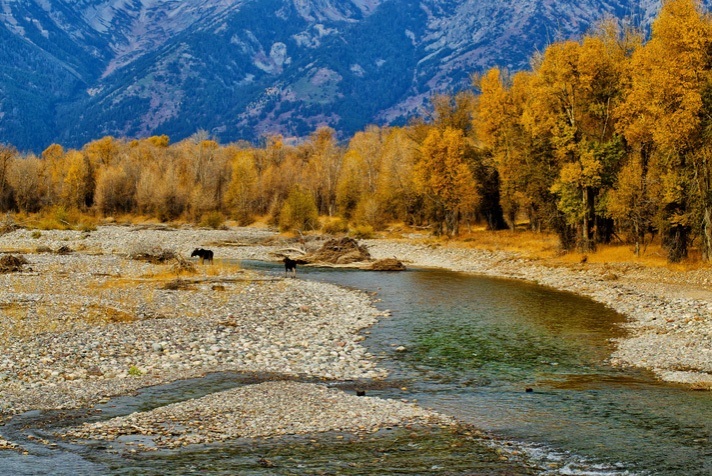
[(526, 364), (474, 345)]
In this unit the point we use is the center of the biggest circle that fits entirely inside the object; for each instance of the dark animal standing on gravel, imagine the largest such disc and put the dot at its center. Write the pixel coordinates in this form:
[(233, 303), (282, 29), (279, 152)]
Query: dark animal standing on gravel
[(205, 255), (290, 266)]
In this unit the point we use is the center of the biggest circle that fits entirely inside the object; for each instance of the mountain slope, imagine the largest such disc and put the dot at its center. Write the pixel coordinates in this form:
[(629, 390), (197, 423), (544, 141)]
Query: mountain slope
[(75, 70)]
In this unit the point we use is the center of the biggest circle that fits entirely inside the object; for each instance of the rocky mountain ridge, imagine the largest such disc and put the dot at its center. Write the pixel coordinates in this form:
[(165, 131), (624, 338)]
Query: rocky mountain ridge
[(74, 70)]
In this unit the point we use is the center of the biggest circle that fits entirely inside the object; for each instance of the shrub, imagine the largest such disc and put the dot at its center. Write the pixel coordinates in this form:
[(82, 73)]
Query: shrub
[(214, 220), (60, 218), (299, 212), (363, 232), (87, 224), (55, 218), (335, 226), (135, 371)]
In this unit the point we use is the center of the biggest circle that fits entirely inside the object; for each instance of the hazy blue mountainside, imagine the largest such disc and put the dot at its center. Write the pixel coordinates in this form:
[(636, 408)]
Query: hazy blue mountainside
[(75, 70)]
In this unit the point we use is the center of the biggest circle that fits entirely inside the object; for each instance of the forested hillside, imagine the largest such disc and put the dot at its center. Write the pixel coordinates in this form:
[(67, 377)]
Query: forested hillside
[(73, 71), (605, 137)]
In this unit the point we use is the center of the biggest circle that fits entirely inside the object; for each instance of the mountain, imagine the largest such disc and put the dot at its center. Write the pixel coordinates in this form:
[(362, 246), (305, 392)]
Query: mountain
[(75, 70)]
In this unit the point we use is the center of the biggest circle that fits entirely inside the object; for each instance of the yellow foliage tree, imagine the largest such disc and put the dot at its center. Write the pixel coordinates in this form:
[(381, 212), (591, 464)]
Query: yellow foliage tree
[(358, 180), (575, 89), (27, 181), (325, 159), (445, 179), (103, 152), (241, 191), (299, 211), (396, 193), (666, 114), (77, 185)]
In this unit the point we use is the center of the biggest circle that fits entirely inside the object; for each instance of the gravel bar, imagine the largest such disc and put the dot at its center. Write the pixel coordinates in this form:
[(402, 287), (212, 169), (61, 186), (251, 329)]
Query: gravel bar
[(82, 323)]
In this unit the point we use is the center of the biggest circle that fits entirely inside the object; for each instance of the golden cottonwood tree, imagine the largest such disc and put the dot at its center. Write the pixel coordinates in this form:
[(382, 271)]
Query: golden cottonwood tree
[(396, 193), (28, 183), (241, 191), (103, 152), (501, 135), (444, 177), (632, 202), (666, 114), (299, 211), (53, 156), (77, 184), (575, 89), (325, 159), (115, 191), (358, 181)]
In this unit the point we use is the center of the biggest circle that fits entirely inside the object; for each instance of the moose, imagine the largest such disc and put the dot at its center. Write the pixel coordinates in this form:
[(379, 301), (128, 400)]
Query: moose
[(205, 255), (290, 265)]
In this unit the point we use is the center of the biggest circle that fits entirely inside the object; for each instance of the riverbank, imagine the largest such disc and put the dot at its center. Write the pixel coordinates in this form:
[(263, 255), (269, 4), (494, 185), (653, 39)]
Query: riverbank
[(82, 322), (669, 313)]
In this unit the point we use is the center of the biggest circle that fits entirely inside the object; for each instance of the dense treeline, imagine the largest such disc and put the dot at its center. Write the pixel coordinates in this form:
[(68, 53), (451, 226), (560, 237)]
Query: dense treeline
[(609, 136)]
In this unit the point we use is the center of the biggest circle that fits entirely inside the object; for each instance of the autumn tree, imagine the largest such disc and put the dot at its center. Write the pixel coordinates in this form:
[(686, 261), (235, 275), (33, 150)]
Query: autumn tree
[(632, 203), (53, 158), (77, 184), (456, 112), (203, 168), (444, 177), (26, 177), (115, 191), (523, 157), (666, 116), (574, 91), (242, 188), (396, 191), (357, 189), (299, 211), (7, 157), (163, 179), (103, 152), (325, 159)]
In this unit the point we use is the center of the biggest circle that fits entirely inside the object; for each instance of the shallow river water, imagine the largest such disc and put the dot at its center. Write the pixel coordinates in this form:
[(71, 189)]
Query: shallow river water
[(464, 345), (473, 345)]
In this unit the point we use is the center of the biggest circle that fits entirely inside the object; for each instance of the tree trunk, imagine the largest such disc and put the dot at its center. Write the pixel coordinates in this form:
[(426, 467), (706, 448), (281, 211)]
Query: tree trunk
[(586, 225), (636, 231), (707, 234), (677, 243)]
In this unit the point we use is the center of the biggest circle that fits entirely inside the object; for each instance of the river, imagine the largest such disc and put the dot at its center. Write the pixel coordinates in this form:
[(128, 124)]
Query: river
[(474, 345), (524, 363)]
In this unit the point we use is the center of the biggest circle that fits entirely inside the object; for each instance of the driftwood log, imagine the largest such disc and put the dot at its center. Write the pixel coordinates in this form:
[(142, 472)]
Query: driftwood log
[(341, 252)]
